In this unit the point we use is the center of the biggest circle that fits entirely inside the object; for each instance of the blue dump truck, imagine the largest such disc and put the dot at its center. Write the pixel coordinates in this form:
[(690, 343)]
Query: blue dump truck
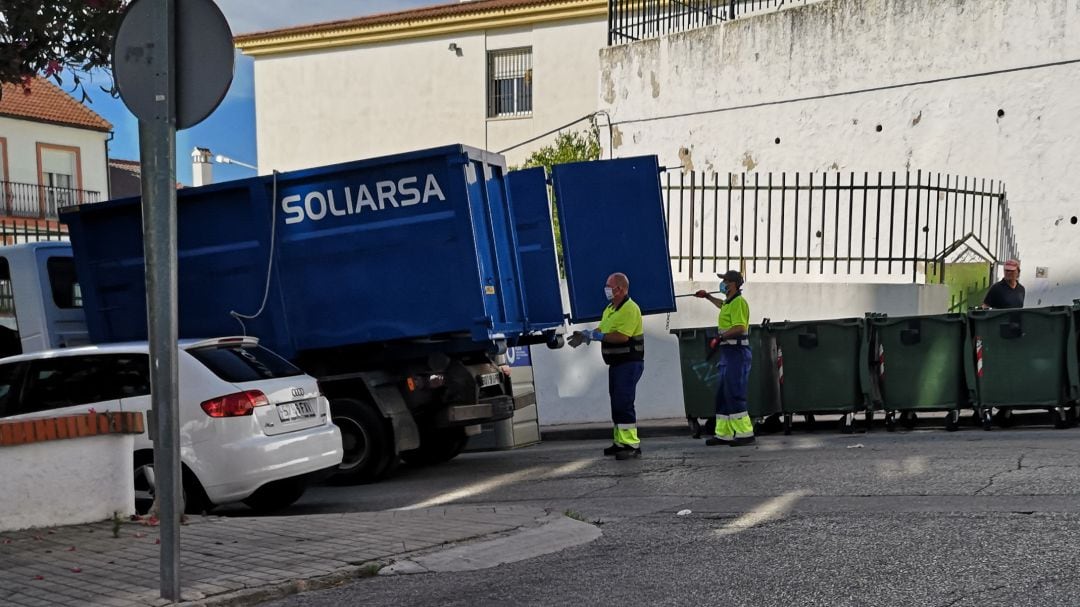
[(398, 282)]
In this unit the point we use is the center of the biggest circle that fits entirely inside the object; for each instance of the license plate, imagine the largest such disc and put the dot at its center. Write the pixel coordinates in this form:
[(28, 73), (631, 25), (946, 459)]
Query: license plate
[(298, 410), (489, 379)]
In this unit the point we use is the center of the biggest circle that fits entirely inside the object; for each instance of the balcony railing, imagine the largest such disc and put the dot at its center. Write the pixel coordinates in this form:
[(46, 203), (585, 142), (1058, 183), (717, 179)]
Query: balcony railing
[(38, 201)]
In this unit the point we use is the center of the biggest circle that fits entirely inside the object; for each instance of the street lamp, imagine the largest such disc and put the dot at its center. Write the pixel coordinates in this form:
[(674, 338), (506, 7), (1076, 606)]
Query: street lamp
[(220, 159)]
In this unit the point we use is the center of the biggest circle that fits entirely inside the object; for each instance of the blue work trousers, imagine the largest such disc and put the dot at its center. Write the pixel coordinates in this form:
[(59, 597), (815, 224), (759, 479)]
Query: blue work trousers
[(622, 386), (734, 377)]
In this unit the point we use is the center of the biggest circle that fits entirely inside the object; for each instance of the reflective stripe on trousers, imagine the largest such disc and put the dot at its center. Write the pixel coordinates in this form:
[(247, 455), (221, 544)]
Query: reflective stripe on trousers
[(732, 419), (622, 387)]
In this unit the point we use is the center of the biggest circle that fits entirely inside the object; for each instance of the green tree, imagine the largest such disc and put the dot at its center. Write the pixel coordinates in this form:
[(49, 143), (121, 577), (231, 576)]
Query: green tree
[(570, 146), (60, 39)]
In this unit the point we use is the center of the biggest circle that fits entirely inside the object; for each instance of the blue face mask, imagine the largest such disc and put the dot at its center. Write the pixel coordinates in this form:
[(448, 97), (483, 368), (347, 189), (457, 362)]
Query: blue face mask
[(723, 288)]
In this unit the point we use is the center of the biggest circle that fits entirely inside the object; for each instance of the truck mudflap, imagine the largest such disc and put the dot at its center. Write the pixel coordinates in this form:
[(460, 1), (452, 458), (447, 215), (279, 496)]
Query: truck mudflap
[(494, 409)]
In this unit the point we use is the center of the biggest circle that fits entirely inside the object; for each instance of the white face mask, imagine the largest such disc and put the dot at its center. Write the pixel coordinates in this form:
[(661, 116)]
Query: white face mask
[(609, 293)]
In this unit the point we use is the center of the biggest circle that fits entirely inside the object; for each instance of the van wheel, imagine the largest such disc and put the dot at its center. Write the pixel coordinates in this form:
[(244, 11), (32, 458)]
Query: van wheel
[(437, 446), (193, 499), (365, 440), (275, 496)]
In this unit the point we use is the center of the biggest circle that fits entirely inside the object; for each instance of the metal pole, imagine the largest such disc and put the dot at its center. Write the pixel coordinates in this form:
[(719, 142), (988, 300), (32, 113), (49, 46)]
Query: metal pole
[(157, 145)]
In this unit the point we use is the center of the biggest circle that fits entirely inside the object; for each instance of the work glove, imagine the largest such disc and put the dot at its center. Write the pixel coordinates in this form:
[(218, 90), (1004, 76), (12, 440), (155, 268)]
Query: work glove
[(596, 335), (576, 339)]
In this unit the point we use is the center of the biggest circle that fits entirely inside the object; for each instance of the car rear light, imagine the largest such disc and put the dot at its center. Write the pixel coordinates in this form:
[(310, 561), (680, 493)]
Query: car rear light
[(235, 405)]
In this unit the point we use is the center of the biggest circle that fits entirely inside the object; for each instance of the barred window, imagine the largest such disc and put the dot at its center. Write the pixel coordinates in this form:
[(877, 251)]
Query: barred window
[(509, 82)]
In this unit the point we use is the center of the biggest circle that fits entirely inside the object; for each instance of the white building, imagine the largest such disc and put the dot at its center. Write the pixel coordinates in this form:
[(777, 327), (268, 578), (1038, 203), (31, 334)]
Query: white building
[(488, 73), (986, 90), (53, 152)]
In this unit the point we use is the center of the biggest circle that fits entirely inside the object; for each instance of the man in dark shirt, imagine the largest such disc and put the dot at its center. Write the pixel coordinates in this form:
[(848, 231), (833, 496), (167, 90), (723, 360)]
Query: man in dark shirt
[(1008, 293)]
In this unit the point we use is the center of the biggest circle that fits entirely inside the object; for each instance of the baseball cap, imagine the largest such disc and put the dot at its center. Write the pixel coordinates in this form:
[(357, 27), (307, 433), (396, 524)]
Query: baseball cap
[(1012, 264), (732, 276)]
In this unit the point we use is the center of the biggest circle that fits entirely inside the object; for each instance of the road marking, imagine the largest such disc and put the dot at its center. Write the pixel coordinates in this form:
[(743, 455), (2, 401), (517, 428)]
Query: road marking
[(770, 510), (535, 472)]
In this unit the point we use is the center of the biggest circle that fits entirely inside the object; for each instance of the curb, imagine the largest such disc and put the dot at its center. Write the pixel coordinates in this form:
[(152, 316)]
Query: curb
[(262, 594)]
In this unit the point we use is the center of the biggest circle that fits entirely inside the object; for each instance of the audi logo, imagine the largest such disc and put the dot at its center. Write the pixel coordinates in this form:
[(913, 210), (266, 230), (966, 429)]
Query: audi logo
[(297, 391)]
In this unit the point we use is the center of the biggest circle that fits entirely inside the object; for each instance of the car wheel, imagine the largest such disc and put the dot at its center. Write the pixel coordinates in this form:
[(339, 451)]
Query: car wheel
[(193, 499), (365, 440), (276, 496), (437, 446)]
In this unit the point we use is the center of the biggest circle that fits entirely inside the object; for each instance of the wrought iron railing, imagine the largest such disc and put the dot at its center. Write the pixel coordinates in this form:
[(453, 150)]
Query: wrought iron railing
[(884, 224), (38, 201), (630, 20)]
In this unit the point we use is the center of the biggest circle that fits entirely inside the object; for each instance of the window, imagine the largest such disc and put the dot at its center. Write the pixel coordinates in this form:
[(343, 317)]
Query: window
[(509, 82), (239, 364), (11, 377), (65, 286), (58, 170), (10, 345), (67, 381)]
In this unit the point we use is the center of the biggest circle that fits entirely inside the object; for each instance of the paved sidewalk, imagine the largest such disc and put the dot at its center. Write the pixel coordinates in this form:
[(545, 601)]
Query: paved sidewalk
[(676, 426), (231, 561)]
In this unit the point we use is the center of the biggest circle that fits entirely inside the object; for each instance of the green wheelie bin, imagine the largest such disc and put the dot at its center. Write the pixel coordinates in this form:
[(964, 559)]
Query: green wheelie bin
[(921, 363), (700, 378), (1025, 359), (823, 369)]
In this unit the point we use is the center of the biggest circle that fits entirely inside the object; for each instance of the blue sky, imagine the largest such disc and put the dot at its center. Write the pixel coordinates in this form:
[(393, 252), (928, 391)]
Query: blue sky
[(230, 130)]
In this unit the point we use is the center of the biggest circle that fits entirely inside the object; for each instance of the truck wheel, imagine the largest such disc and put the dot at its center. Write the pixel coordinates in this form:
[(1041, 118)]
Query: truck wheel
[(276, 496), (367, 445), (437, 446)]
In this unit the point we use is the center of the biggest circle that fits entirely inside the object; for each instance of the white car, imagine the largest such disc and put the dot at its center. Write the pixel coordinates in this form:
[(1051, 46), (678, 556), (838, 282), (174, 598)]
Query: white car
[(253, 427)]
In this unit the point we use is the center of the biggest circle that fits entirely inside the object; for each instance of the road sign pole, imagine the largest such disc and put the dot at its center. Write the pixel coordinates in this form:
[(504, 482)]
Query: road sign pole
[(157, 146)]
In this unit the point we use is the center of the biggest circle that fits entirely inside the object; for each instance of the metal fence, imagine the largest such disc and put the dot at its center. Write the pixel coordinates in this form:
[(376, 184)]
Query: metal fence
[(630, 20), (32, 200), (894, 224)]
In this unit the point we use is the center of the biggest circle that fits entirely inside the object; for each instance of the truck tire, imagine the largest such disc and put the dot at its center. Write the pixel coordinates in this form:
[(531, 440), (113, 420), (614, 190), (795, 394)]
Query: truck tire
[(437, 446), (366, 442)]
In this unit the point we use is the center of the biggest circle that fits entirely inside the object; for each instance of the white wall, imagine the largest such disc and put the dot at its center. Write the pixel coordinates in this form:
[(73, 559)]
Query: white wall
[(24, 135), (821, 78), (337, 105), (66, 482), (571, 384)]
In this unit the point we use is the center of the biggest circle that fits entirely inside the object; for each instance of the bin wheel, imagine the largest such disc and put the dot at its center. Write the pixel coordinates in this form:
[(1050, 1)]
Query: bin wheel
[(695, 426), (952, 420), (869, 418), (1061, 418), (770, 423), (810, 422), (787, 423), (908, 419), (1071, 414), (847, 425), (890, 421), (987, 419), (1004, 418)]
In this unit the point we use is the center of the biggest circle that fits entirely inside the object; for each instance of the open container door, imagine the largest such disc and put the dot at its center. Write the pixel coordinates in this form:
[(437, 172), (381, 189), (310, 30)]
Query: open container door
[(527, 193), (612, 220)]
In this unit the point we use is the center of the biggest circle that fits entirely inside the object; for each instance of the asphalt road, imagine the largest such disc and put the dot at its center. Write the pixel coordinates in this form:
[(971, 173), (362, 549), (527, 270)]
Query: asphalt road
[(912, 518)]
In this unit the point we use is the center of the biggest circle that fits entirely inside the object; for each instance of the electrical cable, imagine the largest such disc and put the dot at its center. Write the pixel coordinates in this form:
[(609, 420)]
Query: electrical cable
[(269, 264)]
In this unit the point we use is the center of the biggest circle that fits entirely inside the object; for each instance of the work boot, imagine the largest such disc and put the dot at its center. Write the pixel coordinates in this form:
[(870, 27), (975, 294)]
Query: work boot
[(716, 440), (615, 449), (742, 442), (628, 453)]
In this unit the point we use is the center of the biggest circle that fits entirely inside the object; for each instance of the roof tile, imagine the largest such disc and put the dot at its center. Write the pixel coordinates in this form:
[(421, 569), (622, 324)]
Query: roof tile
[(43, 101)]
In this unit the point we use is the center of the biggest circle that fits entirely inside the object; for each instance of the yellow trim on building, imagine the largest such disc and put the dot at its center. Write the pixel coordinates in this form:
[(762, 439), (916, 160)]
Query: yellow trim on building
[(275, 43)]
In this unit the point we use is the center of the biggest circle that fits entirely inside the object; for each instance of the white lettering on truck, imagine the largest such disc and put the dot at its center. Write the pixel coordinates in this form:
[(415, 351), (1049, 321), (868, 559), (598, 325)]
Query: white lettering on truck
[(315, 205)]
